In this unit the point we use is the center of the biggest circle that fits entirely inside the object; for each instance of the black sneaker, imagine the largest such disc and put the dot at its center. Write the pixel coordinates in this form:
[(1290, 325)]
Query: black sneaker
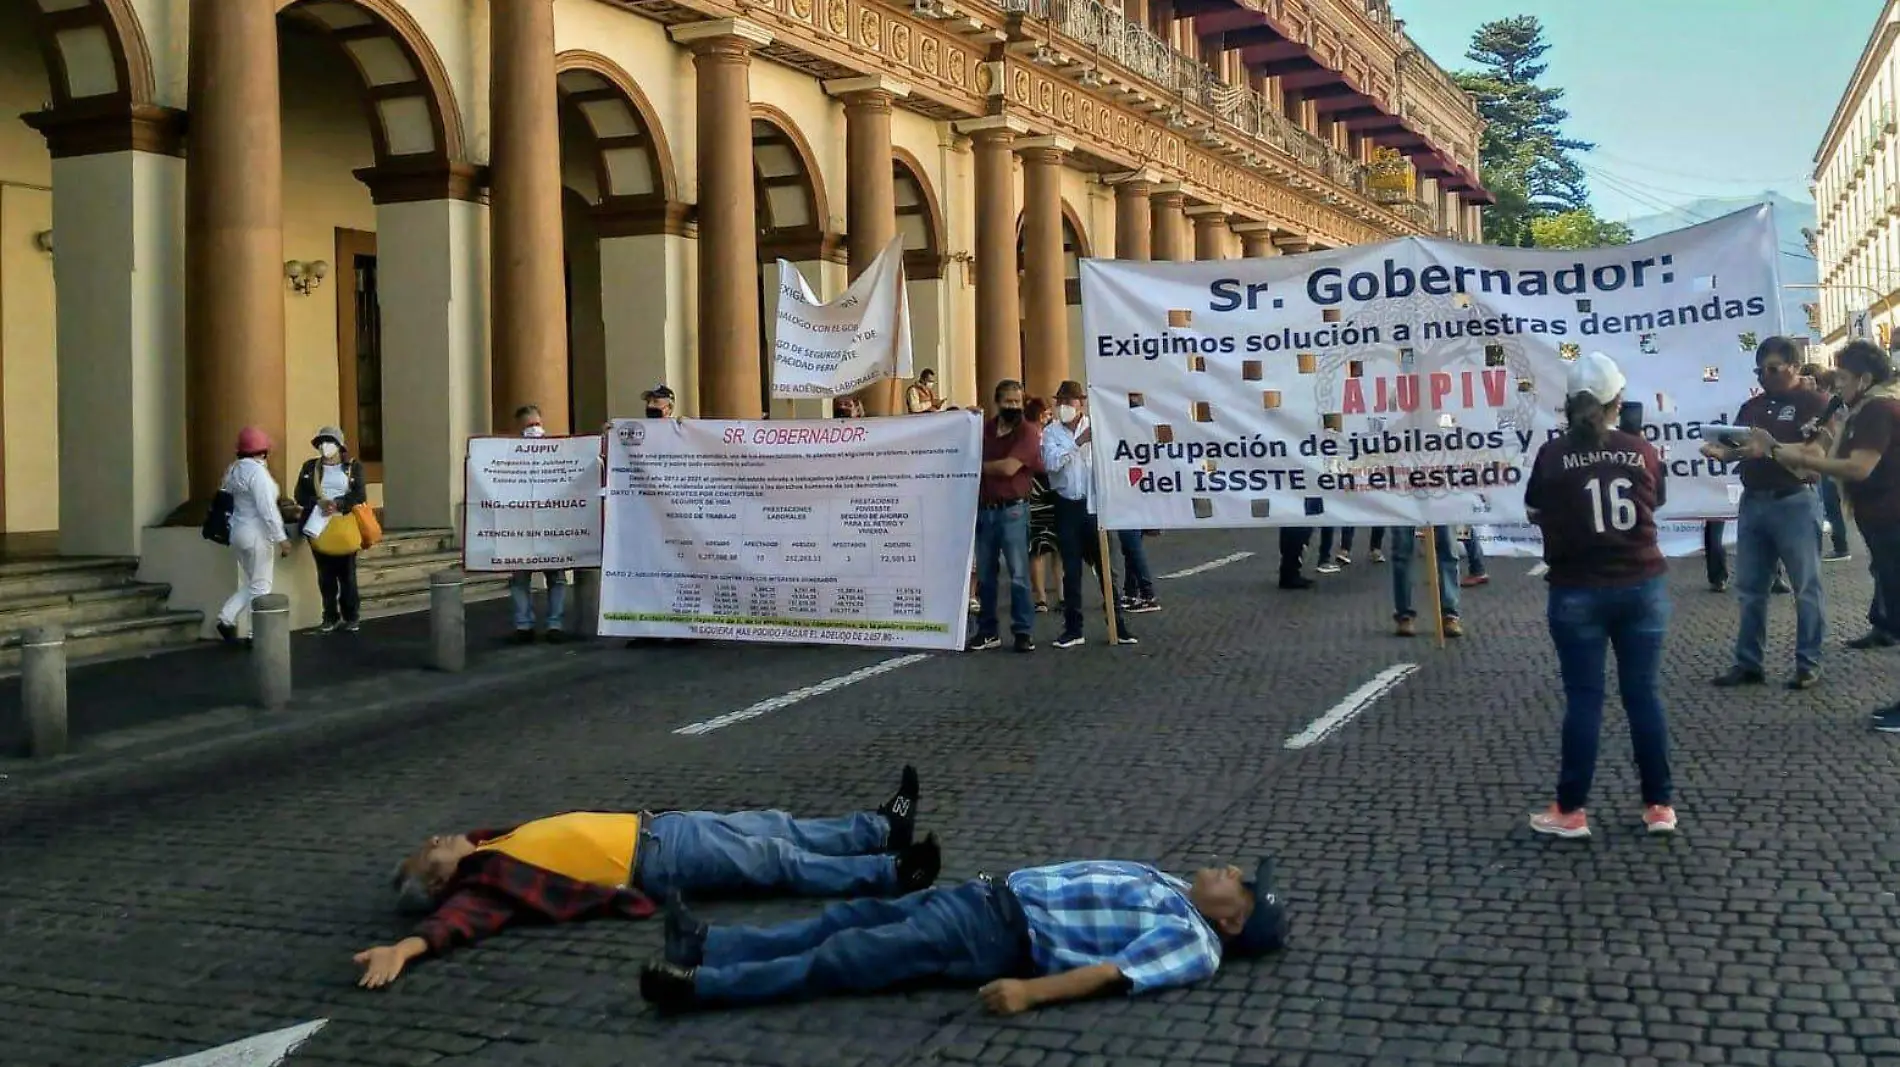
[(901, 812), (1143, 605), (1069, 640), (1123, 637), (556, 637), (352, 627), (1887, 720), (1023, 643), (685, 934), (919, 865), (330, 626), (1719, 587), (668, 986), (1872, 639), (1298, 581), (524, 637), (983, 643), (1805, 678), (228, 634), (1736, 676)]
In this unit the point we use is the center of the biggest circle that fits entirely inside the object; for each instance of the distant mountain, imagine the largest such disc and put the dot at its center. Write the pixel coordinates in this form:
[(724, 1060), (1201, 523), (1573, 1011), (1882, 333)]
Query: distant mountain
[(1797, 266)]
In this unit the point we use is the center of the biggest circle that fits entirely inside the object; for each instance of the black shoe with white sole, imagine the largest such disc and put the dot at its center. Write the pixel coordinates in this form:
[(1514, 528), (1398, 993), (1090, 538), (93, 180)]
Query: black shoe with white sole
[(1887, 720), (1024, 643), (1069, 640), (983, 643), (900, 812)]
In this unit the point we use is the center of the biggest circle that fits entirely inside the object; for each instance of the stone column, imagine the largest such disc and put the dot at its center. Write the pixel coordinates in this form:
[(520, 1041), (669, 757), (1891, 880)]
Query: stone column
[(528, 283), (998, 343), (870, 193), (118, 298), (1134, 217), (1210, 231), (1170, 224), (1256, 240), (234, 242), (729, 375), (1045, 298)]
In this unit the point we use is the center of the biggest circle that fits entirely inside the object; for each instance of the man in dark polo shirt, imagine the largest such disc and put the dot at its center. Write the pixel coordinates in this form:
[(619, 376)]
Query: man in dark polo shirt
[(1868, 466), (1012, 451), (1779, 519)]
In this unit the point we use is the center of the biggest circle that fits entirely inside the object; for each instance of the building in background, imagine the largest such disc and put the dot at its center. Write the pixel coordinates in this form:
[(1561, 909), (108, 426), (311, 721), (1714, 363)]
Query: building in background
[(1857, 199), (406, 217)]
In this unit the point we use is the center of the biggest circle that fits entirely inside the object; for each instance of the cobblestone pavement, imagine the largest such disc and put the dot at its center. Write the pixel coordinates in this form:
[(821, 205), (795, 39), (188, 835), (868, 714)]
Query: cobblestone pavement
[(191, 906)]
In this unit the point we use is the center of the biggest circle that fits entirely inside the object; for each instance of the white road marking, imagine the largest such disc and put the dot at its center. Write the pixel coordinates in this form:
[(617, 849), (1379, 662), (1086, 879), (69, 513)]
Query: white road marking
[(1356, 701), (259, 1050), (786, 700), (1202, 568)]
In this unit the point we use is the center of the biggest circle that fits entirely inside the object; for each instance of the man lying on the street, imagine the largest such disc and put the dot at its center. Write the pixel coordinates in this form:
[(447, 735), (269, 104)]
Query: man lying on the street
[(585, 865), (1039, 936)]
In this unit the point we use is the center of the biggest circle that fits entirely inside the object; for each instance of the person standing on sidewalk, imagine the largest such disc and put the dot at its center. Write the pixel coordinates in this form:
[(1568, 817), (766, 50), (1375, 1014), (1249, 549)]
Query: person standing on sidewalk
[(521, 584), (257, 527), (1475, 574), (1404, 554), (1012, 450), (1594, 494), (329, 487), (1138, 589), (1778, 521), (1827, 382), (1867, 462), (1293, 542), (1065, 458)]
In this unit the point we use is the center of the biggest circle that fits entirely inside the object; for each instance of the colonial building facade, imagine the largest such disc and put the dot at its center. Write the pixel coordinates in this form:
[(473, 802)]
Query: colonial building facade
[(1857, 198), (406, 217)]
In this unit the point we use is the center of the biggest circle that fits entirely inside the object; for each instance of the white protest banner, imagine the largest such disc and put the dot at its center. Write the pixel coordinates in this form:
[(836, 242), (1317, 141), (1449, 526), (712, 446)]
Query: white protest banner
[(1408, 382), (855, 532), (836, 349), (532, 503)]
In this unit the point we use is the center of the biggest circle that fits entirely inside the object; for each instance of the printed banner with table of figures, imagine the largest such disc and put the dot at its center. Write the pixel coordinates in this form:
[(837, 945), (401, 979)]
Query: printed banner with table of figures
[(531, 503), (1408, 382), (855, 532)]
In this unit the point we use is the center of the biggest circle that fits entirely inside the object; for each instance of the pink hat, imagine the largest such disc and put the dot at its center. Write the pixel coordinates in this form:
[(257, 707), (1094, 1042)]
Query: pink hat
[(252, 441)]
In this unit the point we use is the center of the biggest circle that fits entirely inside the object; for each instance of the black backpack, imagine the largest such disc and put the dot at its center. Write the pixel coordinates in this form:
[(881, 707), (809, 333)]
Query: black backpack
[(217, 527)]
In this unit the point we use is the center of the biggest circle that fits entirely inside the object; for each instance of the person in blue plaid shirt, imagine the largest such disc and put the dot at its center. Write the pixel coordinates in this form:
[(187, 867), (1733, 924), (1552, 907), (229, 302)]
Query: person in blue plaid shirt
[(1039, 936)]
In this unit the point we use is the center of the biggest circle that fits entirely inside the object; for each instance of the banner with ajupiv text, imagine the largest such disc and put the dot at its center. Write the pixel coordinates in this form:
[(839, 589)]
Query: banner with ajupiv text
[(1412, 381), (531, 503)]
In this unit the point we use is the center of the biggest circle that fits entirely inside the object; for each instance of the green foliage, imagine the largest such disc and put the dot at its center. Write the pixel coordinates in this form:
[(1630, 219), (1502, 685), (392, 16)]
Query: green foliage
[(1577, 229)]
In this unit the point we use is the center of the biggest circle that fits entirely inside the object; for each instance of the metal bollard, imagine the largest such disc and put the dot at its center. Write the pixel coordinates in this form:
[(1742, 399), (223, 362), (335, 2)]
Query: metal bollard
[(448, 623), (43, 685), (270, 650), (587, 603)]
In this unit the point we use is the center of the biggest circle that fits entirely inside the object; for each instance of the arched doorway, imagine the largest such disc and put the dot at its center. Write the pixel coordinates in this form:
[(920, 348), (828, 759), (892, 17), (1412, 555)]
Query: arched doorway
[(620, 195), (790, 208), (352, 146)]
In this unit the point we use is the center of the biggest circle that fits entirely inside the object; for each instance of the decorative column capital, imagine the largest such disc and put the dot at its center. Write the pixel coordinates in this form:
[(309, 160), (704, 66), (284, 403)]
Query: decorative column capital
[(1044, 149), (1206, 214), (644, 216), (409, 182), (872, 93), (993, 129), (725, 38), (79, 129), (1261, 229), (1146, 179), (1169, 195)]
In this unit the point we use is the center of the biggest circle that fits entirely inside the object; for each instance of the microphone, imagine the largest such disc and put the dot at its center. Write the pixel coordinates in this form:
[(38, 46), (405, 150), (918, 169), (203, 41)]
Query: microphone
[(1834, 406)]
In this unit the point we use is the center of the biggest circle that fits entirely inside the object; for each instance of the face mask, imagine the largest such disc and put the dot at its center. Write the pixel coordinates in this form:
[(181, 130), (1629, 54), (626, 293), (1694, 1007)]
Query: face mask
[(329, 449), (1066, 413), (534, 431), (1010, 415), (656, 413)]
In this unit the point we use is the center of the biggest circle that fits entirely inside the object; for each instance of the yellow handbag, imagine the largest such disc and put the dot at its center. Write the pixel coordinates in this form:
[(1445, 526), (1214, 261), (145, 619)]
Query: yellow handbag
[(366, 522), (341, 536)]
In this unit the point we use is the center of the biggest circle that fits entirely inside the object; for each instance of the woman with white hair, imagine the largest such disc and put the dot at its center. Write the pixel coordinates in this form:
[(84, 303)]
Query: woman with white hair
[(1594, 492)]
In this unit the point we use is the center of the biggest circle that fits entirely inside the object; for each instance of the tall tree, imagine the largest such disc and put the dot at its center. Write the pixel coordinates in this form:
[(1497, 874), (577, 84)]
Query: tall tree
[(1525, 156)]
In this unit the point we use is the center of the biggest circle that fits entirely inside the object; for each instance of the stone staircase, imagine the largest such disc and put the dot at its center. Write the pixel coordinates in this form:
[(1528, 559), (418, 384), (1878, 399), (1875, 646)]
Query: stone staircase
[(393, 577), (106, 610)]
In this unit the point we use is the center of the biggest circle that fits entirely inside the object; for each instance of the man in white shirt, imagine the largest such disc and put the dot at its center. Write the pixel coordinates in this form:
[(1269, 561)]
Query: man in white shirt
[(1066, 444)]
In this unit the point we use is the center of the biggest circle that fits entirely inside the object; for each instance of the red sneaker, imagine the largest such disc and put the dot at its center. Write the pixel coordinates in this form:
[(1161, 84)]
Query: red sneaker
[(1659, 819), (1567, 824)]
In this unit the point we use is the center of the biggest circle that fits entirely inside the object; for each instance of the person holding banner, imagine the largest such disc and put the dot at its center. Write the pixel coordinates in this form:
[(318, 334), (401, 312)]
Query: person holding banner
[(1066, 459), (659, 402), (1594, 494), (521, 583), (1779, 519), (1012, 451), (1404, 554)]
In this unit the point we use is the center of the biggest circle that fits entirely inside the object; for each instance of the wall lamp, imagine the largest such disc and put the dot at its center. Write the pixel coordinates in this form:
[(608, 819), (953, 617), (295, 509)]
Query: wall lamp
[(306, 278), (43, 241)]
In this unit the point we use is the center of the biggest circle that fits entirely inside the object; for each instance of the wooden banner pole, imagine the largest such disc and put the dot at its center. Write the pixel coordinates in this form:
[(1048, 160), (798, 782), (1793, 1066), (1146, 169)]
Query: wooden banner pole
[(1108, 584), (1431, 568)]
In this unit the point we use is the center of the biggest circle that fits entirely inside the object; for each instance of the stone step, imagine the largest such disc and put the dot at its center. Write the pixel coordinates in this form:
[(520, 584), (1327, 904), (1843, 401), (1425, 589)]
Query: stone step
[(397, 543), (38, 578), (114, 638), (129, 601), (402, 598), (373, 572)]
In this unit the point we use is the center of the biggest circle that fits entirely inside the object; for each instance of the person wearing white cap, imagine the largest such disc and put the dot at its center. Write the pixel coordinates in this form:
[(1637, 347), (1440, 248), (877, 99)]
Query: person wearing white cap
[(1594, 492)]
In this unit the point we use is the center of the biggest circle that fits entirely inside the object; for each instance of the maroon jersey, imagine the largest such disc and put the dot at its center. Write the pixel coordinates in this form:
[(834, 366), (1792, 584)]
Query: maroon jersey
[(1788, 418), (1597, 507)]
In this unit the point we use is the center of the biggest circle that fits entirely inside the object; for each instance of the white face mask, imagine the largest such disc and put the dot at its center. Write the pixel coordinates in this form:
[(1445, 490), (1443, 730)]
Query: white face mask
[(329, 449), (534, 431), (1066, 413)]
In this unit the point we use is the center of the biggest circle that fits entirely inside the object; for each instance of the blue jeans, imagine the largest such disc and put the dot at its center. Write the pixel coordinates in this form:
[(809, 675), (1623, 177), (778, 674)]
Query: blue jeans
[(711, 853), (1583, 623), (1003, 533), (1474, 555), (1404, 553), (968, 933), (1139, 581), (521, 591), (1080, 544), (1786, 531), (1831, 507)]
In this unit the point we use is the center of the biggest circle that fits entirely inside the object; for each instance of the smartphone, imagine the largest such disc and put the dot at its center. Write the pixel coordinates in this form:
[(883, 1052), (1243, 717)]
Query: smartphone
[(1629, 418)]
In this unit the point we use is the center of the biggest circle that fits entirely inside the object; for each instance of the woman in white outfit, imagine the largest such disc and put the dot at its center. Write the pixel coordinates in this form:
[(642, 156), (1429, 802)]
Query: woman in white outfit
[(257, 527)]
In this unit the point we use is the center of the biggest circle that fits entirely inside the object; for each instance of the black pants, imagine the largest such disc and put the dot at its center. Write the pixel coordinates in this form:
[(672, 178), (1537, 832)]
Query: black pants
[(1883, 545), (1293, 542), (1343, 535), (336, 580), (1714, 553), (1079, 544)]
